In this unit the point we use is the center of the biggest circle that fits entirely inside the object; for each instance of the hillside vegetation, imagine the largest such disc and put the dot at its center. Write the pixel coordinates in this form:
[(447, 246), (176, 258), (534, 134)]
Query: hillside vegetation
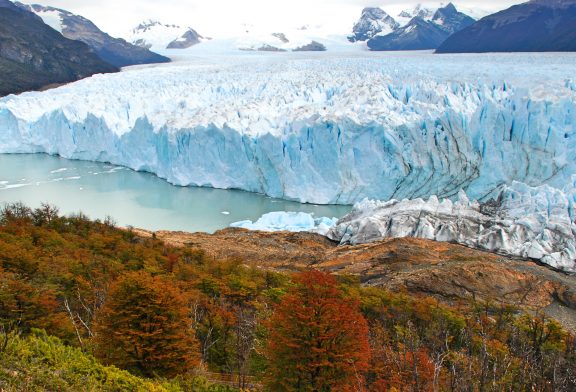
[(40, 362), (107, 299)]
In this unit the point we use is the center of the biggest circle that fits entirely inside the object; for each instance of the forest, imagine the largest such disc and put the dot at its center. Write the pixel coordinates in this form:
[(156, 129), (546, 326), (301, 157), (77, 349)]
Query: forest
[(88, 306)]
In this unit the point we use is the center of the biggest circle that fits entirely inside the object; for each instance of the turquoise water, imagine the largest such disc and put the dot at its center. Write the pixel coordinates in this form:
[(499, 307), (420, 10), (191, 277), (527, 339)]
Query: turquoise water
[(132, 198)]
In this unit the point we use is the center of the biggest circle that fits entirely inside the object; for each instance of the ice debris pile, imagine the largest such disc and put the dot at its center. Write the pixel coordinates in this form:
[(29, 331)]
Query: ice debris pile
[(289, 221), (536, 223), (330, 130)]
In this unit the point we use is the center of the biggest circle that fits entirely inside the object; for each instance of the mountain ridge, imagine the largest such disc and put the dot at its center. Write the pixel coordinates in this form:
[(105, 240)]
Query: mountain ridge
[(115, 51), (33, 55), (426, 30), (153, 34), (535, 26)]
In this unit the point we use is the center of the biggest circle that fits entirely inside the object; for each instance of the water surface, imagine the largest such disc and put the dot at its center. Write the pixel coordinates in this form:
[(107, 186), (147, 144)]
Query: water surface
[(132, 198)]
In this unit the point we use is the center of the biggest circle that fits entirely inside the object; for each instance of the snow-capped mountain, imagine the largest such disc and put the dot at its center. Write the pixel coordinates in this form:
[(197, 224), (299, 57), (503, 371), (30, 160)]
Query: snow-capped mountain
[(450, 20), (535, 26), (155, 35), (33, 55), (421, 11), (427, 29), (112, 50), (300, 39), (372, 22), (418, 34)]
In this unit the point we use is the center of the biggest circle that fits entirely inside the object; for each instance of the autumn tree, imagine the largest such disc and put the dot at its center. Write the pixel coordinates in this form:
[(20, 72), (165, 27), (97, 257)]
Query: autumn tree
[(24, 307), (144, 327), (318, 339)]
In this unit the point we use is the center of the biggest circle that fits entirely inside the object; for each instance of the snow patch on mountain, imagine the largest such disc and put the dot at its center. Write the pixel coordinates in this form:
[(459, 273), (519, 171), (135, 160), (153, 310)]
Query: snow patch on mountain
[(115, 51), (52, 18), (425, 12)]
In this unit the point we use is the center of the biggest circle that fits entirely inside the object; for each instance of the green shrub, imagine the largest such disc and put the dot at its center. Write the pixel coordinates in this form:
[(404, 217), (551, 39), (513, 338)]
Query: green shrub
[(40, 362)]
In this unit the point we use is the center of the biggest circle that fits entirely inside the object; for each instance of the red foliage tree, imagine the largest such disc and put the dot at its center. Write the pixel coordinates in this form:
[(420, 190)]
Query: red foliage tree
[(144, 328), (318, 339)]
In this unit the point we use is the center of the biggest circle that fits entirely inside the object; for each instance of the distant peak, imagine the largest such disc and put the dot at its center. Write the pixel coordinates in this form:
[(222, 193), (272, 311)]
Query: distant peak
[(373, 11), (373, 21), (151, 23), (419, 10)]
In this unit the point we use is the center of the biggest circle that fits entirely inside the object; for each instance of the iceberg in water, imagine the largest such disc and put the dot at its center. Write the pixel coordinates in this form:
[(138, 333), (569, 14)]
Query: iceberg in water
[(289, 221)]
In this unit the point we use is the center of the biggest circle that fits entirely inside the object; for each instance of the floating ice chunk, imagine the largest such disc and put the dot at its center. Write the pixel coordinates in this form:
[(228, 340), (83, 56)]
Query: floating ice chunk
[(14, 186), (288, 221)]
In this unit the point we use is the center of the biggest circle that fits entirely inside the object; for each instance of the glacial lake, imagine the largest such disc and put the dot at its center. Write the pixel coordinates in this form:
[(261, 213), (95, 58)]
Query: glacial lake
[(133, 198)]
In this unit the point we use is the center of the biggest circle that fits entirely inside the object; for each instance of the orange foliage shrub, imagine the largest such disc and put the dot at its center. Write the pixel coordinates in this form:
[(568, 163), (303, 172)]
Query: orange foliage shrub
[(318, 339), (144, 328)]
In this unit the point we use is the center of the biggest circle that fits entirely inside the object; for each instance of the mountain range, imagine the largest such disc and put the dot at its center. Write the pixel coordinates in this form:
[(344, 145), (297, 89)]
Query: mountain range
[(42, 46), (33, 55), (421, 28), (535, 26), (155, 35), (115, 51)]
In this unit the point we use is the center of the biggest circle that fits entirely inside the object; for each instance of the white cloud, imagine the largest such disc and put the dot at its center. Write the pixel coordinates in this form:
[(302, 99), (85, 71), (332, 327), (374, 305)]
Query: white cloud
[(223, 17)]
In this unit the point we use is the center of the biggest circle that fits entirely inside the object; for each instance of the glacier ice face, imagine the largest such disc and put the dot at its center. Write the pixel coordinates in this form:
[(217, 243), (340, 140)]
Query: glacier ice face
[(523, 221), (289, 221), (318, 128)]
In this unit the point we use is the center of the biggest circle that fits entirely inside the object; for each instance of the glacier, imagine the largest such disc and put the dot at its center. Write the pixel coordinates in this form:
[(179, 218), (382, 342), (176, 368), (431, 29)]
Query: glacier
[(326, 129), (339, 128), (523, 221)]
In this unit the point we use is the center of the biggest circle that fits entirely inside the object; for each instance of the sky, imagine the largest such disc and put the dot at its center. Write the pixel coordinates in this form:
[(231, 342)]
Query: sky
[(220, 18)]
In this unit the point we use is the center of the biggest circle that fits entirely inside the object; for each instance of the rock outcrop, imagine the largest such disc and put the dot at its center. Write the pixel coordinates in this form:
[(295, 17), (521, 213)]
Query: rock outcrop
[(452, 273), (313, 46)]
